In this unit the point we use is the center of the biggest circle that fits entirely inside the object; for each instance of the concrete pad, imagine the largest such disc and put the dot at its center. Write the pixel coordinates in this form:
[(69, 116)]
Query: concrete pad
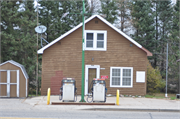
[(126, 103)]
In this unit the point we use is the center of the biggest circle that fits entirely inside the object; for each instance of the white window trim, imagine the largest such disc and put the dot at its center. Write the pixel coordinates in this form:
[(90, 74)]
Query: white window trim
[(95, 40), (121, 77)]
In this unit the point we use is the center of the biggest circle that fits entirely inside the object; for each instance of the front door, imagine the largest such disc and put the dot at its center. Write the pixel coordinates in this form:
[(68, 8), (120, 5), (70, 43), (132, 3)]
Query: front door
[(92, 71)]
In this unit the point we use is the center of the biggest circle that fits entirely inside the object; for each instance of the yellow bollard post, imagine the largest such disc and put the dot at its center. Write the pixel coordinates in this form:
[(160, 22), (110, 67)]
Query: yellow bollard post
[(117, 97), (48, 96)]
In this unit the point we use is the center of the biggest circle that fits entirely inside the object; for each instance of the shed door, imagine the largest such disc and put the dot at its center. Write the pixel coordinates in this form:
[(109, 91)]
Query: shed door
[(9, 83), (3, 83)]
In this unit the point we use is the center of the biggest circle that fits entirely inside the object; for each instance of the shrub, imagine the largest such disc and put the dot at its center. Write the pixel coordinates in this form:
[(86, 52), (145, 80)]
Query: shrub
[(155, 83)]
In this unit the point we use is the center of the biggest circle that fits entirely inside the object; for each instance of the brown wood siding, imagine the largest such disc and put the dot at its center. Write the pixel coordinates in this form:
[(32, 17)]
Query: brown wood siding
[(66, 56), (22, 80)]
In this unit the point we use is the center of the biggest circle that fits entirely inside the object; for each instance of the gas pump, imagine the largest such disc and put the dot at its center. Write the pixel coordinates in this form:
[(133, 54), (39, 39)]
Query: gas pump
[(68, 90), (98, 91)]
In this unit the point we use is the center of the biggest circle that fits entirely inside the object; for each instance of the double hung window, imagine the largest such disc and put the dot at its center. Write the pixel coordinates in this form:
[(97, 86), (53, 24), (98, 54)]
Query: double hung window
[(121, 77), (95, 40)]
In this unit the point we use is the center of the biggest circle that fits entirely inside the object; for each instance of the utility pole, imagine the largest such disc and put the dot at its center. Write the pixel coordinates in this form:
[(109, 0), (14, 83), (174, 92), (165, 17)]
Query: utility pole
[(83, 48), (179, 71), (37, 58), (166, 95), (179, 50)]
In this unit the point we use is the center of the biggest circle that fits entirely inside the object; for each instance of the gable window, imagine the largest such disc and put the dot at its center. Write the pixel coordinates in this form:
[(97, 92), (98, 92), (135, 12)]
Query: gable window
[(95, 40), (121, 77), (89, 40)]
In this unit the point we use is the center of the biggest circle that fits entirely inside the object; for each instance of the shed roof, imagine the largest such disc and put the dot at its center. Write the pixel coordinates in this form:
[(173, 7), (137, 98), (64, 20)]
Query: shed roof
[(18, 65), (40, 51)]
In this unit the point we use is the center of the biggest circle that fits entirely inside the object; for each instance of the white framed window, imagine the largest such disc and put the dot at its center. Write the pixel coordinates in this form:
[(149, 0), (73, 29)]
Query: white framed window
[(95, 40), (121, 77)]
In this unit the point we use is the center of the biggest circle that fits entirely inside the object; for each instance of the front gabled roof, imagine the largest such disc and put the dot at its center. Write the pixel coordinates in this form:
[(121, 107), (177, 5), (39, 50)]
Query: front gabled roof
[(40, 51), (18, 65)]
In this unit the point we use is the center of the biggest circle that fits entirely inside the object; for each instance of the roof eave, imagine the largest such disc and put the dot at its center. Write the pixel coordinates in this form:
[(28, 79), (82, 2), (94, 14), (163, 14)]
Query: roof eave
[(147, 51), (40, 51)]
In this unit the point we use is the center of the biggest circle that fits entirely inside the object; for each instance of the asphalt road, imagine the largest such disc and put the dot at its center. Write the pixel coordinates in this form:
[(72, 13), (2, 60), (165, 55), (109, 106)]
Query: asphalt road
[(56, 114), (16, 109)]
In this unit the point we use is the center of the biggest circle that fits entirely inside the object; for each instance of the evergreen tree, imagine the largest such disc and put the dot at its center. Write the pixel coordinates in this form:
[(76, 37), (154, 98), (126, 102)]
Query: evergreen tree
[(109, 10), (143, 22), (95, 6), (46, 18), (52, 12), (123, 15), (9, 20), (165, 26), (156, 9), (18, 36), (174, 48), (152, 21)]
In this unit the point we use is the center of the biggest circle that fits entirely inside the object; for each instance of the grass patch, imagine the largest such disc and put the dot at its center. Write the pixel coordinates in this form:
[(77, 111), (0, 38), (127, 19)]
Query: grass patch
[(149, 96), (161, 96), (33, 95), (173, 98)]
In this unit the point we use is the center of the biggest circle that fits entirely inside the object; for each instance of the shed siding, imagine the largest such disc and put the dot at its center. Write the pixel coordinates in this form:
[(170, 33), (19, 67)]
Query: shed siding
[(66, 56), (22, 80)]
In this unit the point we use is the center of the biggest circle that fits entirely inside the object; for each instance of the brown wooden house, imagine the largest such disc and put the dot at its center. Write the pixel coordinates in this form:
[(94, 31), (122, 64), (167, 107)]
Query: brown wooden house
[(108, 51), (13, 80)]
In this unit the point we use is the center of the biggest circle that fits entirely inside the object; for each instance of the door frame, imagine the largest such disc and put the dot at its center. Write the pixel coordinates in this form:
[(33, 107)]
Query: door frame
[(8, 83), (87, 67)]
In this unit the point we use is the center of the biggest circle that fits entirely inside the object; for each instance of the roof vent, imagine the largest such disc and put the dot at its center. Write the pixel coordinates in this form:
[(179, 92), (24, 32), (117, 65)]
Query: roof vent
[(96, 21)]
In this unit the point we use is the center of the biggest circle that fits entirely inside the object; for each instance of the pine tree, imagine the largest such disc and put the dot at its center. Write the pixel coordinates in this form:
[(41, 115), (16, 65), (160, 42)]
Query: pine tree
[(46, 18), (52, 12), (143, 22), (9, 20), (174, 48), (165, 26), (123, 15), (18, 35), (94, 6), (109, 10), (152, 21), (156, 7)]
